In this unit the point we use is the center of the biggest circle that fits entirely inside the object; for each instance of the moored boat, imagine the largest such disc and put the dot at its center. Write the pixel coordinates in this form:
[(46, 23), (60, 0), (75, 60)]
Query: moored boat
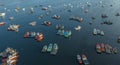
[(44, 48), (78, 28), (27, 34), (108, 48), (39, 37), (14, 27), (102, 47), (67, 33), (102, 33), (59, 27), (47, 23), (85, 60), (56, 17), (32, 23), (115, 51), (54, 49), (95, 31), (2, 23), (79, 59), (98, 48), (49, 49)]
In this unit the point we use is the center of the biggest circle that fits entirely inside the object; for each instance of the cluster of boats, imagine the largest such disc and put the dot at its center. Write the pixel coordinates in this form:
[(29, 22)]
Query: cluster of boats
[(105, 48), (14, 27), (61, 31), (2, 23), (97, 32), (9, 57), (59, 27), (82, 59), (52, 48), (65, 33), (104, 16), (38, 36), (107, 22), (76, 19)]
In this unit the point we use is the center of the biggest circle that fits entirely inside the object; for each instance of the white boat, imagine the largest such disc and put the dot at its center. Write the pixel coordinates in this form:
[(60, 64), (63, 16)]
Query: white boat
[(102, 33), (44, 48), (78, 28), (54, 49), (2, 15), (95, 31), (23, 9), (32, 23)]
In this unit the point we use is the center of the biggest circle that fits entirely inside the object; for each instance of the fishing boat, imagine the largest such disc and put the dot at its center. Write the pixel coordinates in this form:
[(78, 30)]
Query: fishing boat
[(27, 34), (76, 19), (78, 28), (49, 49), (79, 59), (94, 31), (67, 33), (98, 32), (39, 37), (104, 16), (108, 48), (47, 23), (31, 10), (14, 27), (102, 33), (102, 47), (115, 51), (60, 32), (98, 48), (32, 23), (10, 56), (59, 27), (17, 9), (107, 22), (45, 8), (2, 23), (44, 48), (54, 49), (56, 17), (2, 15), (11, 18), (4, 60), (85, 60), (23, 9), (32, 34)]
